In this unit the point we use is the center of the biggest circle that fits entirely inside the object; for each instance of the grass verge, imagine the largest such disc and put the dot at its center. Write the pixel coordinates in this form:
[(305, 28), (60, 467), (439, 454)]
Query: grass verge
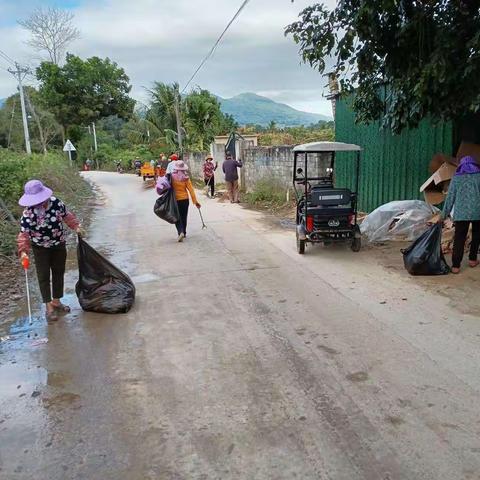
[(269, 194)]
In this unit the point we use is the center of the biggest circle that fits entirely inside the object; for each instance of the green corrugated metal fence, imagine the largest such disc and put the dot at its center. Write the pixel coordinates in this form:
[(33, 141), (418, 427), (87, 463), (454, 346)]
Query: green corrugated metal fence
[(393, 166)]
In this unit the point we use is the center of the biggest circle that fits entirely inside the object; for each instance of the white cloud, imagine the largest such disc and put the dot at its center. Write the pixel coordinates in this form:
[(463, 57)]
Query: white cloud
[(165, 40)]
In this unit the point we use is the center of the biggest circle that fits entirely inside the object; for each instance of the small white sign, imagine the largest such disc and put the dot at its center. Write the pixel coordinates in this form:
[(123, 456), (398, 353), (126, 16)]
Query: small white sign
[(69, 147)]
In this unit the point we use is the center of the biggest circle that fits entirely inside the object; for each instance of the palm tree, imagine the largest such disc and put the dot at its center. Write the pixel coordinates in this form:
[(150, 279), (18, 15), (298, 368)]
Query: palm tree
[(204, 118), (162, 107)]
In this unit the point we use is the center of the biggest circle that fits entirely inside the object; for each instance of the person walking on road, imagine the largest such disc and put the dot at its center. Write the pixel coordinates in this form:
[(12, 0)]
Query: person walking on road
[(171, 164), (182, 186), (42, 231), (209, 174), (464, 198), (230, 169)]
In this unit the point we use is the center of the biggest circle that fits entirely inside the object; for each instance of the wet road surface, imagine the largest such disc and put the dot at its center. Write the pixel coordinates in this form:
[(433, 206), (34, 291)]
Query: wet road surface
[(240, 360)]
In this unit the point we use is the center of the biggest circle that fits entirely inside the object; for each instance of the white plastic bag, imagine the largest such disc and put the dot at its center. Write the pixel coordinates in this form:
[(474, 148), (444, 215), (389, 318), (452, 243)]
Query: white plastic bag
[(400, 220)]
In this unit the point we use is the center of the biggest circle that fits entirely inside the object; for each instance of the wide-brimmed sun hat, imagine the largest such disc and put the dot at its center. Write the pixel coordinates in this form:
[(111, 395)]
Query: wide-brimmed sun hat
[(180, 165), (209, 157), (35, 194)]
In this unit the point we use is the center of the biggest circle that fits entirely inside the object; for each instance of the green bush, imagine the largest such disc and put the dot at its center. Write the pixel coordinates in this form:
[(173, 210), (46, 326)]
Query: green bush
[(52, 169)]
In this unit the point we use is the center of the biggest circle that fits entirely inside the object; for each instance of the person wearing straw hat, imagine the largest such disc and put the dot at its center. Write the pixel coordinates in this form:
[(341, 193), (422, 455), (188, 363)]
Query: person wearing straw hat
[(42, 231), (209, 174), (182, 186)]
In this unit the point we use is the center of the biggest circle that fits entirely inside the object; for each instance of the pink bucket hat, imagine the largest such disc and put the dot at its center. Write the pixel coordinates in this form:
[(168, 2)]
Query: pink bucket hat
[(180, 165), (35, 194)]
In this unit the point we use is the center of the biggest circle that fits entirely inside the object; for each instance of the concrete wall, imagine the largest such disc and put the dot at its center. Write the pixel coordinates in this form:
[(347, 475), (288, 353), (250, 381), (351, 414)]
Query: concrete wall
[(268, 162), (274, 163)]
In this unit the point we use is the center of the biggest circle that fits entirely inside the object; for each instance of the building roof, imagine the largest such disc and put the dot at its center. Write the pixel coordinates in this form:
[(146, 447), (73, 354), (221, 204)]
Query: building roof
[(327, 147)]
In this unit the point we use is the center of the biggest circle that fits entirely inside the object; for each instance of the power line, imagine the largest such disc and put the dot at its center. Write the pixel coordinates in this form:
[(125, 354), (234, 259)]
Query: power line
[(7, 58), (215, 45)]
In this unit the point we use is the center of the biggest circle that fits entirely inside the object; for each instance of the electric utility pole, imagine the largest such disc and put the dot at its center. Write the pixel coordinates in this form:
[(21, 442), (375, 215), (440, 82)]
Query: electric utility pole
[(94, 137), (179, 122), (20, 74)]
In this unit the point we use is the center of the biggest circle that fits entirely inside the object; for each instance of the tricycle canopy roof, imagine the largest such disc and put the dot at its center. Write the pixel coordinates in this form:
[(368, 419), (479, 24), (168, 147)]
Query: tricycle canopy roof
[(327, 147)]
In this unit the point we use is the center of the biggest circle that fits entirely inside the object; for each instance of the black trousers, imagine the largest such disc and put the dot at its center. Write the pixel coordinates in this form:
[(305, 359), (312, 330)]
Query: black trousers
[(210, 182), (461, 232), (50, 266), (183, 210)]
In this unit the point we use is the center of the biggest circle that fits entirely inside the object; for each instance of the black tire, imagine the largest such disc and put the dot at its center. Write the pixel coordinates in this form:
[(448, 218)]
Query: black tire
[(300, 245), (356, 244)]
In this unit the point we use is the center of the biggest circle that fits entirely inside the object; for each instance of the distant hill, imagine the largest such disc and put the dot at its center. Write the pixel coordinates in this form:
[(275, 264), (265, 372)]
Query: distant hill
[(2, 101), (249, 108)]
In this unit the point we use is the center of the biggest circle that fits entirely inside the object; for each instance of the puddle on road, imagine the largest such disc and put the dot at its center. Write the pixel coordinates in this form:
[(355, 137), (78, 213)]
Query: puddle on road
[(18, 380)]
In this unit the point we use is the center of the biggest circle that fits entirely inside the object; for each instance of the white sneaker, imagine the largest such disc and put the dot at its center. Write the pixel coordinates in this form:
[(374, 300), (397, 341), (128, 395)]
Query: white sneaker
[(181, 237)]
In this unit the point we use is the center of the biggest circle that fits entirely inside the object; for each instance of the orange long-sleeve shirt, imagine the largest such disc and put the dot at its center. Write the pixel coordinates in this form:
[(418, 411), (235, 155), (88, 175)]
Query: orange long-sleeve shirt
[(182, 189)]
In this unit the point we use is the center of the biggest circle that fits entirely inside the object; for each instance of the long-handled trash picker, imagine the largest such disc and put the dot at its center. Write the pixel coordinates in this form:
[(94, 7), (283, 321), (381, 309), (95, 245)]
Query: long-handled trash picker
[(201, 217), (25, 265)]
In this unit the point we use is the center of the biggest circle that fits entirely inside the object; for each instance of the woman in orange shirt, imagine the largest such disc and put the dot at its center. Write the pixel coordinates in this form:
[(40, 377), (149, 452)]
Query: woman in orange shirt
[(182, 186)]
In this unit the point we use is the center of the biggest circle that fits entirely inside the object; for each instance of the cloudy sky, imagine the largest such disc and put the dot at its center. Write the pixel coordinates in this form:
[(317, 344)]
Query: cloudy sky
[(165, 40)]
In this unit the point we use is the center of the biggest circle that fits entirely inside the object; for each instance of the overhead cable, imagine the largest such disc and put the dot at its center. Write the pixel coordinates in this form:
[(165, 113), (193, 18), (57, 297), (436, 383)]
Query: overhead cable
[(215, 45)]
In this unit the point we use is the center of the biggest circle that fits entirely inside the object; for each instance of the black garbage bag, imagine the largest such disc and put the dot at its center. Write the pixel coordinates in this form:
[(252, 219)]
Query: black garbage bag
[(102, 287), (166, 207), (424, 256)]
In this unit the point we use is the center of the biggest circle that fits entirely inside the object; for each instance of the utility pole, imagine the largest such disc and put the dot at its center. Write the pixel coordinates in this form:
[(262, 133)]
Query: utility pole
[(179, 123), (20, 74), (94, 137)]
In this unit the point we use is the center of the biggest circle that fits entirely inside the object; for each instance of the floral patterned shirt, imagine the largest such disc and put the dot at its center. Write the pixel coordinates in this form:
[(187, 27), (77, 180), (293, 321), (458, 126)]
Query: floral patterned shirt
[(45, 226), (209, 169)]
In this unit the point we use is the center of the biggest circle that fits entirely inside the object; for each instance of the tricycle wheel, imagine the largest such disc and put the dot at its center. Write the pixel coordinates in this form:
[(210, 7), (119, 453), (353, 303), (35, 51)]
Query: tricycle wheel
[(356, 244), (300, 245)]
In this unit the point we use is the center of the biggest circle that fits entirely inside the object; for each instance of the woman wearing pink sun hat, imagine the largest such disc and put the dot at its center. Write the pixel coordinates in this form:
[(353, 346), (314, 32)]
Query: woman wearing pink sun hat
[(42, 231)]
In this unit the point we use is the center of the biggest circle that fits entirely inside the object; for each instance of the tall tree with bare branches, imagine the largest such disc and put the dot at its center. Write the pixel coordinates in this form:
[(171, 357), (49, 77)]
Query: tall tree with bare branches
[(51, 30)]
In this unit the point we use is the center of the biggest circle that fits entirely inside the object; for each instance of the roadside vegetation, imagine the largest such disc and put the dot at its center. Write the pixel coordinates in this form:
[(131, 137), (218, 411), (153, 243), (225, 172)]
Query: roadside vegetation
[(278, 135), (52, 169), (269, 194)]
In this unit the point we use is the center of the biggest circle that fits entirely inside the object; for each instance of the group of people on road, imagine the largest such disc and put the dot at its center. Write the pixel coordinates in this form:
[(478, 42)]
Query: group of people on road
[(177, 178), (42, 230), (230, 169)]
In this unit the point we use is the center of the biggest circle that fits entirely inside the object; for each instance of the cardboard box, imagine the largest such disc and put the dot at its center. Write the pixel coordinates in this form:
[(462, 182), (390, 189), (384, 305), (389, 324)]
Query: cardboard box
[(436, 187)]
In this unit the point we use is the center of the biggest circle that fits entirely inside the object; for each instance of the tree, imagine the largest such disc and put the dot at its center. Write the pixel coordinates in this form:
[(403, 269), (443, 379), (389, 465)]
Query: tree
[(44, 130), (51, 31), (402, 60), (84, 91), (162, 106), (47, 128), (204, 119)]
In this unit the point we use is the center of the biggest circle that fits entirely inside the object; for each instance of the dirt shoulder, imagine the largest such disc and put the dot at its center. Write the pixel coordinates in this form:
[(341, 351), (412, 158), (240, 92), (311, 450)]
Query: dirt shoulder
[(459, 291)]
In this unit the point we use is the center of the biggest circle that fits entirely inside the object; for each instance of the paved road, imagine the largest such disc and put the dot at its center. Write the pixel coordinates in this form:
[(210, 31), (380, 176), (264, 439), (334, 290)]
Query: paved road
[(241, 360)]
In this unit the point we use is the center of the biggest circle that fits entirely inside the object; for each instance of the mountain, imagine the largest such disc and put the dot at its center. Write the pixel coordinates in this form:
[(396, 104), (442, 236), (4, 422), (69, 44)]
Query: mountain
[(249, 108), (2, 101)]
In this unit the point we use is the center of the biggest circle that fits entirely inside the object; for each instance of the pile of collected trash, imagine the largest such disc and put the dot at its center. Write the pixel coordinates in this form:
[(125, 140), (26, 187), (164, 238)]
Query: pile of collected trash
[(403, 220)]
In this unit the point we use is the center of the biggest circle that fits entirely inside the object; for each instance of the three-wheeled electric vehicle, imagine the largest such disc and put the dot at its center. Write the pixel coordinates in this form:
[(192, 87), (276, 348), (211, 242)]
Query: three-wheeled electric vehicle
[(326, 213)]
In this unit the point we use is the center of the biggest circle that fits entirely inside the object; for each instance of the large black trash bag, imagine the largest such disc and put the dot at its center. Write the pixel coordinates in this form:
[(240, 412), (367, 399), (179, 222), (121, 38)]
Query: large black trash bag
[(102, 287), (424, 256), (166, 207)]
